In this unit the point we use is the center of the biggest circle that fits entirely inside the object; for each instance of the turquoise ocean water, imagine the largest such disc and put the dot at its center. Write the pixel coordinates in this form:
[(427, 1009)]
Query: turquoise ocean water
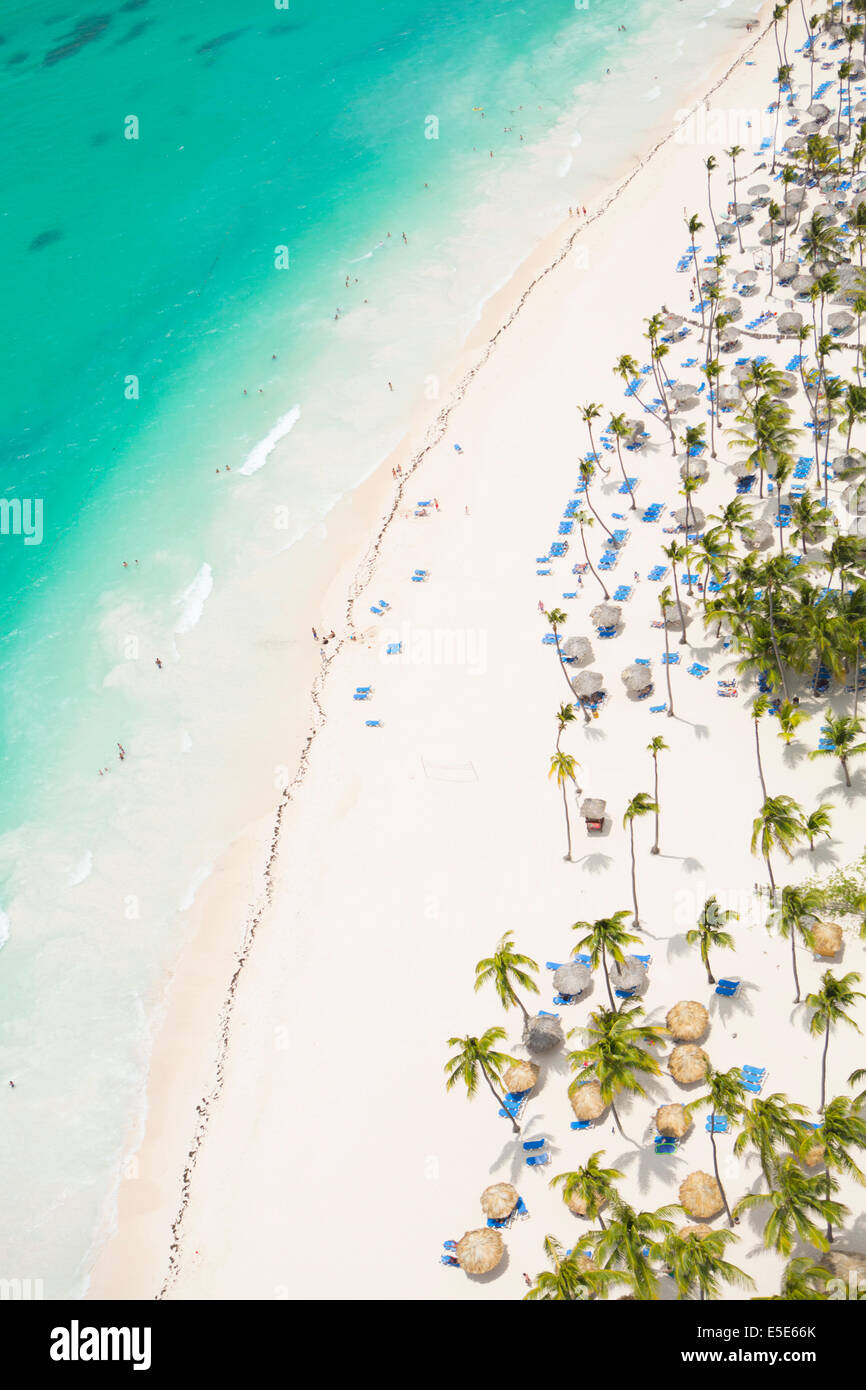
[(230, 287)]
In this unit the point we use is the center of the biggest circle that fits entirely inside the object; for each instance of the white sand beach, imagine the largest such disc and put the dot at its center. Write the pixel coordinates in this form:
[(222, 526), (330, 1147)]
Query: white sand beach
[(407, 849)]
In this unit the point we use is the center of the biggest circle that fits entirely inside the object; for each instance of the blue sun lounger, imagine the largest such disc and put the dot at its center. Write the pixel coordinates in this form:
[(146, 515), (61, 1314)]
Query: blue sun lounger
[(373, 723), (727, 988), (581, 1124), (537, 1160), (665, 1144), (716, 1124), (534, 1143)]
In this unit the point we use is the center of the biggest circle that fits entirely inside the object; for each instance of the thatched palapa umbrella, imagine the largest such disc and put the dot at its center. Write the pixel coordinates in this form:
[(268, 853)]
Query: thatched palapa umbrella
[(587, 683), (673, 1120), (694, 468), (577, 648), (758, 536), (630, 975), (826, 938), (636, 678), (586, 1101), (499, 1200), (698, 1231), (572, 978), (683, 390), (789, 323), (731, 306), (542, 1033), (593, 808), (687, 1020), (577, 1205), (786, 270), (672, 614), (701, 1195), (688, 1063), (695, 521), (606, 614), (480, 1251), (520, 1076), (841, 322)]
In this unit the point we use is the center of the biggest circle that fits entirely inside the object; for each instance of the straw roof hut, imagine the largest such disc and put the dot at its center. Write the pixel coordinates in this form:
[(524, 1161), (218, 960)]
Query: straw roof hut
[(587, 683), (637, 678), (728, 395), (577, 648), (693, 468), (854, 498), (499, 1200), (577, 1205), (759, 193), (786, 270), (788, 385), (688, 1063), (520, 1076), (688, 1020), (848, 465), (758, 536), (701, 1195), (572, 978), (606, 614), (731, 306), (744, 468), (683, 390), (730, 338), (801, 285), (699, 1231), (789, 323), (586, 1101), (747, 277), (630, 975), (673, 1120), (840, 321), (593, 808), (813, 1156), (818, 111), (480, 1251), (696, 519), (542, 1033), (826, 938), (672, 614)]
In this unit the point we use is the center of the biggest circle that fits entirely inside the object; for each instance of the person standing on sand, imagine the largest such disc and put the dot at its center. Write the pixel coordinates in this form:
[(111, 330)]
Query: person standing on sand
[(315, 635), (527, 1281)]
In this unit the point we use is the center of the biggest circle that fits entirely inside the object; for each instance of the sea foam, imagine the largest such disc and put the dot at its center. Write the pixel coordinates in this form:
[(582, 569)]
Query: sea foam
[(193, 599), (258, 457)]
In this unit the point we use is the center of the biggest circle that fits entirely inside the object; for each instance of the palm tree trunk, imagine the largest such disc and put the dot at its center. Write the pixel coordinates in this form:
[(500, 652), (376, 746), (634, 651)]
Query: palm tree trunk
[(856, 678), (824, 1067), (844, 761), (677, 592), (633, 873), (655, 848), (607, 978), (668, 674), (705, 957), (772, 880), (775, 645), (616, 1118), (716, 1168), (562, 664), (794, 962), (624, 475), (589, 564), (760, 766), (567, 821), (595, 514), (500, 1100)]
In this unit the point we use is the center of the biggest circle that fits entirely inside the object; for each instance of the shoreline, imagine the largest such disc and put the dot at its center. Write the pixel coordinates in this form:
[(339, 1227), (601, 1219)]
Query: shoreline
[(240, 861)]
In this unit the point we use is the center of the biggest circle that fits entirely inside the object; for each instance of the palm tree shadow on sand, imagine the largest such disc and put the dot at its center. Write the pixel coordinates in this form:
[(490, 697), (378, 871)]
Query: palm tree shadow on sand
[(595, 863)]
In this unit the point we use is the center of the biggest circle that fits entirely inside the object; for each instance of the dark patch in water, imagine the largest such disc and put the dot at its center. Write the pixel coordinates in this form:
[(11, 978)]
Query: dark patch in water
[(290, 26), (86, 31), (220, 41), (2, 38), (17, 58), (101, 137), (135, 32), (45, 239), (133, 5)]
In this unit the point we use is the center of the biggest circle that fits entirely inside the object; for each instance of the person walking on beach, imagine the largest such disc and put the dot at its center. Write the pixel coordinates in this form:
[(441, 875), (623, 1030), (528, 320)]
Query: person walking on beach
[(120, 752), (527, 1281), (159, 663), (315, 635)]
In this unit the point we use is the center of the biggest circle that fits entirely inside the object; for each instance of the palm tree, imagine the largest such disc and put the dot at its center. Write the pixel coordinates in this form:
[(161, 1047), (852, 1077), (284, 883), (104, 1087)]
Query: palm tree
[(797, 909), (769, 1125), (760, 705), (621, 430), (697, 1262), (709, 164), (557, 619), (732, 156), (726, 1098), (795, 1201), (593, 1184), (732, 517), (664, 605), (564, 716), (778, 824), (563, 766), (829, 1004), (605, 937), (818, 823), (790, 718), (676, 555), (476, 1055), (693, 226), (588, 413), (842, 733), (655, 746), (629, 1234), (587, 472), (810, 520), (571, 1280), (615, 1052), (640, 805), (501, 968), (841, 1130), (709, 932), (802, 1280), (584, 521)]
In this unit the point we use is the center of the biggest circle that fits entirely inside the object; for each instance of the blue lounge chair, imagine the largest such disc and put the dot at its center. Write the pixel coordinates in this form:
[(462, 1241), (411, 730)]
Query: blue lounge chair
[(394, 649), (449, 1260), (450, 1244), (373, 723), (626, 993), (545, 1014), (716, 1124), (753, 1086), (663, 1144), (728, 988), (657, 709), (580, 1124), (537, 1160), (534, 1143), (754, 1071), (521, 1208)]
